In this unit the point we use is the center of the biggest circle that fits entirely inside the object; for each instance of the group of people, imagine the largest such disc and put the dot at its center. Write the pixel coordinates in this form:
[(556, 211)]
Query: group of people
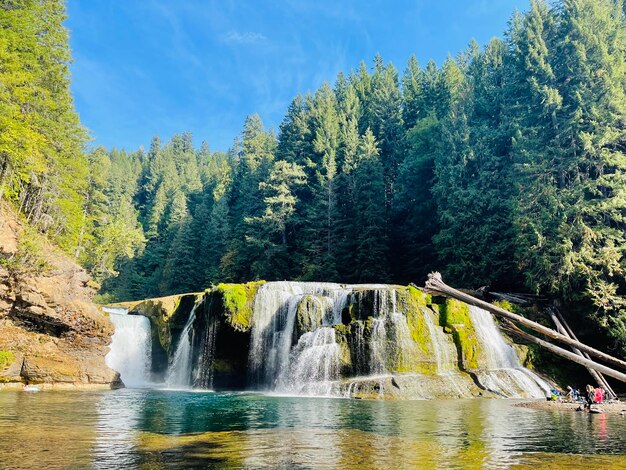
[(592, 396)]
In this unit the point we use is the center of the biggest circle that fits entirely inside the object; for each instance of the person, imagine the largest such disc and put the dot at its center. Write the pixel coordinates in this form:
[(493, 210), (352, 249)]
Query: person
[(599, 395), (590, 396)]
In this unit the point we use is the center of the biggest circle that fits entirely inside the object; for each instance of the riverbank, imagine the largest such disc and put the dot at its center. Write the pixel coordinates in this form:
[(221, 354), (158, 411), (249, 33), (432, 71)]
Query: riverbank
[(58, 386), (612, 407), (50, 330)]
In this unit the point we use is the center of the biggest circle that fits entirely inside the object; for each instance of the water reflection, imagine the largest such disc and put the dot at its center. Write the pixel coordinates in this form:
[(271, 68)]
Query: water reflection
[(161, 429)]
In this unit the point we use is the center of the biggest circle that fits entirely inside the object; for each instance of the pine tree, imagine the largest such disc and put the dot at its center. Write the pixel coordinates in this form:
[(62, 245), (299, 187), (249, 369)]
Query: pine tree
[(370, 256), (321, 214), (473, 171)]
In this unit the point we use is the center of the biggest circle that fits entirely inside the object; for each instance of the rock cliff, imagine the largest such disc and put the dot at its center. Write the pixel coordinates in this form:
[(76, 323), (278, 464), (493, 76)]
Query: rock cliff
[(51, 333)]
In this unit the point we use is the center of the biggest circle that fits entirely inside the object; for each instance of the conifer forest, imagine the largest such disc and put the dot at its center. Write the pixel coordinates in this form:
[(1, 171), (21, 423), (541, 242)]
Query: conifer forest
[(504, 166)]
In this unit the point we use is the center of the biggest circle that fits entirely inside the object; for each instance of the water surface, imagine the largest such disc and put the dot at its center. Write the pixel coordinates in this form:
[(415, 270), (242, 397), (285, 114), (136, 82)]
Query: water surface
[(169, 429)]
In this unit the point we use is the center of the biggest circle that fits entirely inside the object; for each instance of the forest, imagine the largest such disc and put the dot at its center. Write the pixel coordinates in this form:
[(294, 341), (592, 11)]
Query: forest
[(504, 166)]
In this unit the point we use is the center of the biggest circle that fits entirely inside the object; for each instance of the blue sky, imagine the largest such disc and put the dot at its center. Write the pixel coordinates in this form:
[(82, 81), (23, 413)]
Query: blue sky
[(148, 67)]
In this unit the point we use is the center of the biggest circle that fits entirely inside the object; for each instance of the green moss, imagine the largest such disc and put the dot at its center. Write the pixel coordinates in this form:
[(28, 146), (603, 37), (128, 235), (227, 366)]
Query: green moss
[(6, 359), (342, 333), (421, 297), (454, 317), (166, 314), (416, 367), (238, 301), (414, 301), (454, 312)]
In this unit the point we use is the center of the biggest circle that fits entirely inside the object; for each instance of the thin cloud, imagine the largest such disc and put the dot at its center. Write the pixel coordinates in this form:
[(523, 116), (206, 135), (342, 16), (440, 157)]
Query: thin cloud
[(246, 37)]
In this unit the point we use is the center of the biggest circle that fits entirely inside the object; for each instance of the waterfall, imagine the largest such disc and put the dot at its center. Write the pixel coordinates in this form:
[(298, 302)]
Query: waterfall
[(273, 360), (331, 339), (442, 346), (501, 370), (378, 347), (179, 370), (314, 364), (203, 368), (131, 349)]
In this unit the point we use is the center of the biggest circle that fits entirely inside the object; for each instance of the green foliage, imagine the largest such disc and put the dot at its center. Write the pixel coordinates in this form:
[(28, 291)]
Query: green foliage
[(42, 166), (30, 255), (6, 359), (505, 166)]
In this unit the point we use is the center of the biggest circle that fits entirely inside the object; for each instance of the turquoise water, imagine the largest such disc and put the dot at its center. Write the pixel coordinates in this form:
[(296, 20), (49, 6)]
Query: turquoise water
[(167, 429)]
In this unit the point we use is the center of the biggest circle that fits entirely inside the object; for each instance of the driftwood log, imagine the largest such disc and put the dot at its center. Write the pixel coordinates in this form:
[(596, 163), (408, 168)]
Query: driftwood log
[(564, 328), (435, 285), (597, 376), (512, 329)]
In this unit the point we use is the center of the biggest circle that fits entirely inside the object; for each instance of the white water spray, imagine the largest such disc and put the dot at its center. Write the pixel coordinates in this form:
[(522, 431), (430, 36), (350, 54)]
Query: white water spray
[(501, 370), (179, 370), (131, 349)]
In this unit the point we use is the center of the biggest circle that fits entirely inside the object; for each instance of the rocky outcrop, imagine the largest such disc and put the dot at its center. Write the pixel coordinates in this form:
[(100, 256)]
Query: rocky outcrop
[(51, 333), (230, 305)]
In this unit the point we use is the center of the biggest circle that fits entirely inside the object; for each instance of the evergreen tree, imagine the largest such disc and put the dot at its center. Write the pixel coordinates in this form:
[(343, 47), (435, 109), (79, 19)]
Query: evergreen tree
[(271, 229), (473, 171), (574, 244), (321, 215), (370, 256), (42, 164), (253, 166)]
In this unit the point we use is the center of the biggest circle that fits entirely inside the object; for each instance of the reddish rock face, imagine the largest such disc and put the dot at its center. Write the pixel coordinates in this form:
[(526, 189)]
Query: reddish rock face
[(53, 331)]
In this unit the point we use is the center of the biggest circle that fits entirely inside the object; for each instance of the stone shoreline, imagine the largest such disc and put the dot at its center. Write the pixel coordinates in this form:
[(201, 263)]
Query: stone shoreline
[(65, 386), (615, 407)]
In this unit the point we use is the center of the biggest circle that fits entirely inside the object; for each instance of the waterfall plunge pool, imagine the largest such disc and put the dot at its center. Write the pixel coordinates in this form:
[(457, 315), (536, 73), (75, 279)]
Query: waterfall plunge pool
[(166, 429)]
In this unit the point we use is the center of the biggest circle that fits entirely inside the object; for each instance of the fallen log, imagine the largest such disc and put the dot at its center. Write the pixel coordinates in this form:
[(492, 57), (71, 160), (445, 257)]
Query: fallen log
[(435, 285), (597, 376), (512, 329), (520, 299), (564, 328)]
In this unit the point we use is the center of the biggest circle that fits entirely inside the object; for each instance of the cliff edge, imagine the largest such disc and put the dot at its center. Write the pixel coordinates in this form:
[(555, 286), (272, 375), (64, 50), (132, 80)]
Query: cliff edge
[(51, 333)]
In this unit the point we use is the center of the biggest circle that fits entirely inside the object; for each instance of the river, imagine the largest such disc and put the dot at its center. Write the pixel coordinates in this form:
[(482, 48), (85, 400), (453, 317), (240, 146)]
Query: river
[(171, 429)]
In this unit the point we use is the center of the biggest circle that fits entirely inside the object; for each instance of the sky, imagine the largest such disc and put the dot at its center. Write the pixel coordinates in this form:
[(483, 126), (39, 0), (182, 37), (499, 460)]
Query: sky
[(159, 67)]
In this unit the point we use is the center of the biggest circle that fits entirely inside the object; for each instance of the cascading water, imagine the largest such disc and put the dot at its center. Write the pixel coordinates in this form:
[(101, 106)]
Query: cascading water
[(378, 347), (501, 370), (179, 370), (131, 349), (273, 363), (313, 364), (202, 373)]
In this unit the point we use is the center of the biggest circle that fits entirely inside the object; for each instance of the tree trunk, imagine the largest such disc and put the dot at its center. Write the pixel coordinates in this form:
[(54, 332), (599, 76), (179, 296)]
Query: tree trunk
[(435, 285), (564, 328), (566, 354)]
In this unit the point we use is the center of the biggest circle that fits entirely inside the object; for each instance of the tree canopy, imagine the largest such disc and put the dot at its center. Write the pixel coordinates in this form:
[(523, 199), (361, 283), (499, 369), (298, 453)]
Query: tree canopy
[(503, 166)]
